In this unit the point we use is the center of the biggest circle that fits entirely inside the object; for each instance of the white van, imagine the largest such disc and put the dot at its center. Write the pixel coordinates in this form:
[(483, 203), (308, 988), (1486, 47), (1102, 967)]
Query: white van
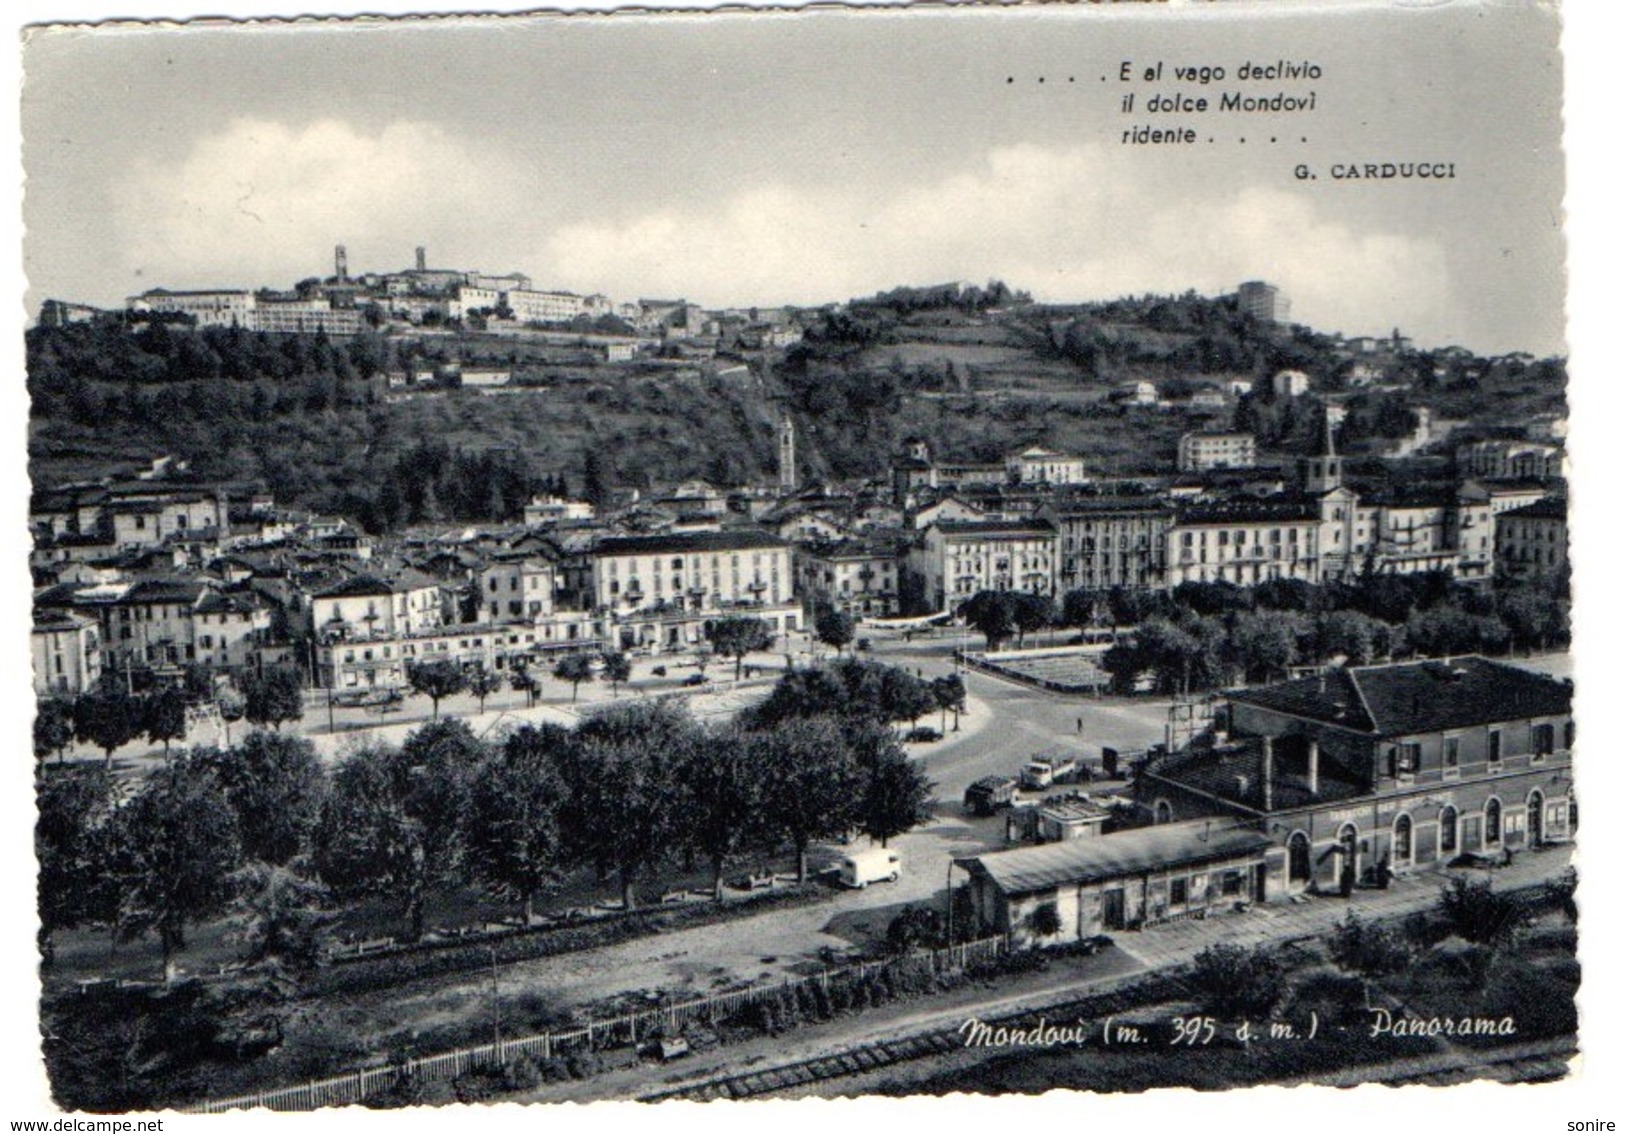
[(877, 864)]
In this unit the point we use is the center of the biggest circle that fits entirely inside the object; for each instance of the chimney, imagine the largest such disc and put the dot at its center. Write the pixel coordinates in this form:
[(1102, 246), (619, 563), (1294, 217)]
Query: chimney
[(1314, 767), (423, 259), (1267, 774)]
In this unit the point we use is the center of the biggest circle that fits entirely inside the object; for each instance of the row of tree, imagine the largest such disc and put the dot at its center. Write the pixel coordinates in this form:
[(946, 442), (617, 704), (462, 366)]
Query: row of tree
[(1203, 635), (265, 829), (111, 716)]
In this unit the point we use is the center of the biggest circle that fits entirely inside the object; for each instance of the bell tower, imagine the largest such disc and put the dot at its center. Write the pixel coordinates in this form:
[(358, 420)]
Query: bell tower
[(787, 454), (1322, 471)]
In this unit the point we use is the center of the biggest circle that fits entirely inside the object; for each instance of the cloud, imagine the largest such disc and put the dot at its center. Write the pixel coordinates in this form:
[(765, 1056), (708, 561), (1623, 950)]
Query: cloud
[(1065, 223), (263, 201)]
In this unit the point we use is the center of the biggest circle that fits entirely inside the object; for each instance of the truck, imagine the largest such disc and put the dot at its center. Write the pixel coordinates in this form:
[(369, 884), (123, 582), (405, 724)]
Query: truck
[(989, 794), (1045, 771), (876, 864)]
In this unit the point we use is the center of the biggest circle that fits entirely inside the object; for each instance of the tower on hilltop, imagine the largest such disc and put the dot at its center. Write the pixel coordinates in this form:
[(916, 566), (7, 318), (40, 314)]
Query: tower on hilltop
[(422, 258), (787, 453), (341, 264)]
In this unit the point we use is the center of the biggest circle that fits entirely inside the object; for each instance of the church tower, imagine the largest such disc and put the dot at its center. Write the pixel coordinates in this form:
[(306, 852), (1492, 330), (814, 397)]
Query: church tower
[(1322, 471), (787, 454)]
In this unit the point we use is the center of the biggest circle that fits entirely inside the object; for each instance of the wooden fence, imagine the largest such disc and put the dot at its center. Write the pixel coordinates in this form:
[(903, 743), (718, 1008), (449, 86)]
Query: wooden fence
[(628, 1029)]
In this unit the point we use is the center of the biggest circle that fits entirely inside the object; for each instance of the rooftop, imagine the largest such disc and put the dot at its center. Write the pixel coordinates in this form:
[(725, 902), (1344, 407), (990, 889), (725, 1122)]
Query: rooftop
[(1551, 508), (1126, 853), (736, 539), (1417, 697)]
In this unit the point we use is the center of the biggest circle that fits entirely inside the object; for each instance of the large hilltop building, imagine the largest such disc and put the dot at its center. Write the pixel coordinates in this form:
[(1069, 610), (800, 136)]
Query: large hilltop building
[(1263, 301)]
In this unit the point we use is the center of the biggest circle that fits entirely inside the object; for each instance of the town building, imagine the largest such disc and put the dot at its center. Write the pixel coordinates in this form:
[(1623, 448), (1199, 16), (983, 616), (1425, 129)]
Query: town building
[(1358, 772), (1199, 452), (859, 577), (658, 591), (952, 561), (364, 606), (67, 652), (1112, 542), (517, 587), (1245, 542), (1290, 384), (223, 307), (1038, 465), (1532, 542), (1510, 460), (543, 511), (1125, 880)]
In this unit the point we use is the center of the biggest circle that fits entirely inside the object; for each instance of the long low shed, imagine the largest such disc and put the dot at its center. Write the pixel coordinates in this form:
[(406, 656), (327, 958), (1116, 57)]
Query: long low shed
[(1117, 881)]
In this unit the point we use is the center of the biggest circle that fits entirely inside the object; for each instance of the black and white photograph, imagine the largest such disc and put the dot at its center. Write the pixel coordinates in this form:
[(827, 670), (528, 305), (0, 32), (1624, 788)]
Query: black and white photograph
[(804, 554)]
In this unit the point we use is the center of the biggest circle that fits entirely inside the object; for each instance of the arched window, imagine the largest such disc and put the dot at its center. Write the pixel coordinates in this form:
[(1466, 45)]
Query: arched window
[(1402, 841), (1447, 831), (1164, 811), (1297, 857), (1492, 822)]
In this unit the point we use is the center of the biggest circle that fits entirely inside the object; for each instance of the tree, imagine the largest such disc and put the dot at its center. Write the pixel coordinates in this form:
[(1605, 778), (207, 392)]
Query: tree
[(276, 785), (109, 720), (896, 795), (813, 783), (177, 847), (1263, 645), (526, 682), (366, 841), (723, 787), (902, 696), (738, 635), (1032, 613), (1560, 892), (1478, 913), (949, 694), (1236, 982), (273, 696), (1368, 949), (277, 915), (436, 680), (625, 809), (515, 843), (993, 614), (72, 845), (1346, 633), (1079, 608), (617, 668), (165, 717), (574, 668), (482, 683), (394, 821), (53, 729), (834, 627)]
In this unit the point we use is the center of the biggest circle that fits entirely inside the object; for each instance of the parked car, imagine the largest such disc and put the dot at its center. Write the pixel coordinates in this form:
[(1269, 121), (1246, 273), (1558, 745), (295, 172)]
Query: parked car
[(921, 734), (696, 679), (876, 864)]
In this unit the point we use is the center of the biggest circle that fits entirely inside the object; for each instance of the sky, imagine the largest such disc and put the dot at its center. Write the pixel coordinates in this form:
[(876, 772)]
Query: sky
[(810, 157)]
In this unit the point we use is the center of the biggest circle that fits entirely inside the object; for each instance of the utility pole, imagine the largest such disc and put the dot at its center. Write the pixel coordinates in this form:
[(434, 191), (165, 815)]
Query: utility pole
[(496, 1005)]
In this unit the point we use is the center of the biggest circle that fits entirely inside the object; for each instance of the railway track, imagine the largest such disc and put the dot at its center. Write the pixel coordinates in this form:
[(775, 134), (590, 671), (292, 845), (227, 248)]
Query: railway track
[(862, 1058)]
